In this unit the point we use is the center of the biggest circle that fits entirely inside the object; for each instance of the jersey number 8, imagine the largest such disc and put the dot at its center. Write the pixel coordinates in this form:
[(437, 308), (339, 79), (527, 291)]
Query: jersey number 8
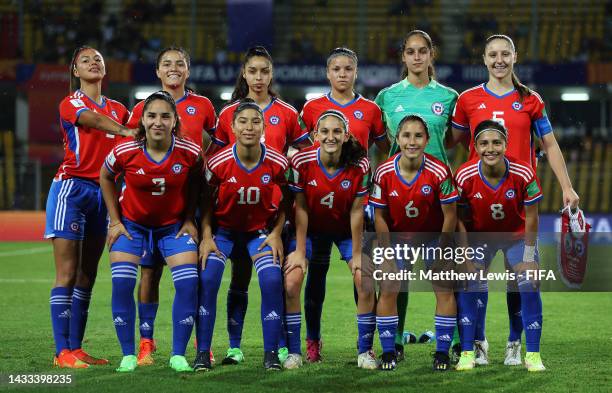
[(497, 211)]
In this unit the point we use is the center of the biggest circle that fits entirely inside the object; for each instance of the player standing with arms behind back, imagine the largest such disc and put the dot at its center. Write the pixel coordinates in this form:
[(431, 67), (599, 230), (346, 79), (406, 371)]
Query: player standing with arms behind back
[(281, 131), (521, 111), (197, 116), (162, 174), (417, 93), (76, 215)]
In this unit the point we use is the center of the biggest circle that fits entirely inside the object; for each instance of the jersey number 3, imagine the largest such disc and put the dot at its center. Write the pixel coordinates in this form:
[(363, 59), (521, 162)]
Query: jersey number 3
[(160, 185)]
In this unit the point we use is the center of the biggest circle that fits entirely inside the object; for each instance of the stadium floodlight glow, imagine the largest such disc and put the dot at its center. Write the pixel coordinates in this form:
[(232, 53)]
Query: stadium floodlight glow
[(143, 92), (575, 96), (226, 95)]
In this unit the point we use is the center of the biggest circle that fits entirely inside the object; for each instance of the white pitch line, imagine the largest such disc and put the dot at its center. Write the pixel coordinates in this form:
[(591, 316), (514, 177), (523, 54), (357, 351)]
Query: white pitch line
[(36, 250)]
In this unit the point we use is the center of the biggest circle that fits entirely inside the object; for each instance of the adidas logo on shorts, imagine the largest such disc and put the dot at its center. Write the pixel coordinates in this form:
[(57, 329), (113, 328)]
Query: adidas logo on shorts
[(119, 322), (203, 311)]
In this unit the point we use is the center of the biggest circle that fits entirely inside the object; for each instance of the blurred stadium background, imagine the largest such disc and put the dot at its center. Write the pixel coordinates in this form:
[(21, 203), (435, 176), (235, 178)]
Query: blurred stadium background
[(564, 51)]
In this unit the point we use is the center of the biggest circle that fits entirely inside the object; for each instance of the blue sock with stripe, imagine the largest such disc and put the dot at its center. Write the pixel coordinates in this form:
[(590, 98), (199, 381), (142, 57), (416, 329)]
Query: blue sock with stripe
[(293, 326), (237, 303), (271, 285), (123, 305), (366, 326), (531, 310), (481, 311), (210, 281), (466, 318), (185, 278), (387, 327), (445, 327), (60, 302), (80, 309), (147, 313)]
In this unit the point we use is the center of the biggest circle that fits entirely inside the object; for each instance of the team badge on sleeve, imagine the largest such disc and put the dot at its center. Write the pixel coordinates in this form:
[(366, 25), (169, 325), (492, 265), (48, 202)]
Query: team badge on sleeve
[(265, 178), (437, 108), (345, 184), (358, 115), (77, 103)]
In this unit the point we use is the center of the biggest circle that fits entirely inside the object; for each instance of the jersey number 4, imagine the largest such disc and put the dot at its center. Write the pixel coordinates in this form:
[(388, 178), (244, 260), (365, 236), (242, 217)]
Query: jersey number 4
[(328, 200)]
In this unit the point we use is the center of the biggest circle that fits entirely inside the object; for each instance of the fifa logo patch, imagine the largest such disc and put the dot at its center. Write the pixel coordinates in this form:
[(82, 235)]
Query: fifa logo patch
[(114, 114), (177, 168), (190, 110), (265, 178), (510, 194), (274, 120), (426, 189), (437, 108), (345, 184), (517, 106), (358, 115)]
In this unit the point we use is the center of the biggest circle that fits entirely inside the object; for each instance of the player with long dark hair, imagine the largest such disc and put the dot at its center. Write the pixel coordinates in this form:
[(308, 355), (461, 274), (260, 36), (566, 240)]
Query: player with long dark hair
[(329, 183), (155, 212), (244, 206), (198, 118), (76, 215)]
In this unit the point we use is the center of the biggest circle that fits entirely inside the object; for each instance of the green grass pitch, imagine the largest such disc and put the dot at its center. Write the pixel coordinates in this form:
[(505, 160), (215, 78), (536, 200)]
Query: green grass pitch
[(576, 343)]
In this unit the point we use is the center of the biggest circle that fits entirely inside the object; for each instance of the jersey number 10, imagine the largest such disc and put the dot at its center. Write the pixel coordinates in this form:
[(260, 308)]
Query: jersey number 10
[(249, 196)]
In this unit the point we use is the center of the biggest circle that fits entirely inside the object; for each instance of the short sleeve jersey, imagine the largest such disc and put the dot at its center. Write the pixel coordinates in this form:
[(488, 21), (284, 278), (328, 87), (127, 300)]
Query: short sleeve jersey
[(196, 114), (523, 120), (498, 208), (86, 148), (329, 197), (434, 102), (246, 200), (364, 117), (155, 193), (282, 128), (414, 206)]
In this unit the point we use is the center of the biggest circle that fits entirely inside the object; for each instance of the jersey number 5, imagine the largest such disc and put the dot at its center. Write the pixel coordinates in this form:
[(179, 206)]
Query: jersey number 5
[(160, 183), (497, 116)]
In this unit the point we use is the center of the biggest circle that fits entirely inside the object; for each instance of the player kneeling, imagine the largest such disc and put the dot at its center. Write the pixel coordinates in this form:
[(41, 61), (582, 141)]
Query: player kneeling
[(500, 195), (329, 182), (243, 207), (414, 192), (162, 176)]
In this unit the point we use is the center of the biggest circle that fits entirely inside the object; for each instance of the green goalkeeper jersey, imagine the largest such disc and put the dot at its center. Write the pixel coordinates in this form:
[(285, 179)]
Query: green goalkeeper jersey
[(434, 102)]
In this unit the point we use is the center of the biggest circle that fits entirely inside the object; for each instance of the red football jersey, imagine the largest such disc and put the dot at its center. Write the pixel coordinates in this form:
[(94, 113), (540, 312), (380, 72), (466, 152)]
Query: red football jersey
[(414, 206), (155, 193), (329, 197), (282, 128), (364, 117), (85, 148), (246, 200), (497, 208), (523, 120), (196, 114)]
